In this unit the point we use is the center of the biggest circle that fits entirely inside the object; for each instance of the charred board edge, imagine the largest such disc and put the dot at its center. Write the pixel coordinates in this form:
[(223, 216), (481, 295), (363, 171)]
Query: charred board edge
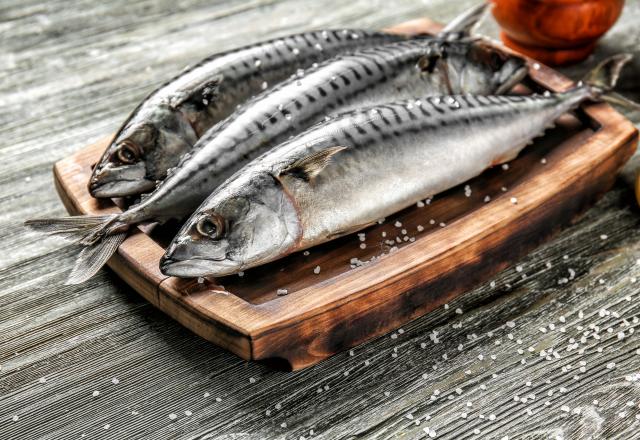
[(407, 298)]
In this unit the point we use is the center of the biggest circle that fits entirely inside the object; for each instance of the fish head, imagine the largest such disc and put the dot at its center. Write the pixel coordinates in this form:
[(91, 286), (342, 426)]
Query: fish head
[(248, 221), (471, 66), (148, 144)]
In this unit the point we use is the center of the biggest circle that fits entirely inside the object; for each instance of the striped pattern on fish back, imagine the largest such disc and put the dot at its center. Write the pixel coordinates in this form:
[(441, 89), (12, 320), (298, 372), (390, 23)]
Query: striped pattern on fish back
[(247, 68), (295, 105), (268, 59), (360, 127)]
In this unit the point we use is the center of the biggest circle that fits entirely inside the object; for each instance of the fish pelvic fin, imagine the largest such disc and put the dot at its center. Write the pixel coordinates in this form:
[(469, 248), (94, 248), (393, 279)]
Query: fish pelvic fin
[(465, 24), (100, 235)]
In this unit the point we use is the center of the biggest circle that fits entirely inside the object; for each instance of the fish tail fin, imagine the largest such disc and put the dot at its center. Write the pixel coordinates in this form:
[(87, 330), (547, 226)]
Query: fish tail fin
[(93, 257), (604, 77), (76, 228), (464, 24), (100, 235)]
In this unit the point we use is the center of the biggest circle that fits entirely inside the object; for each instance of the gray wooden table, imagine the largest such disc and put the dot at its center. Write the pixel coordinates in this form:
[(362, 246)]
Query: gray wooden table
[(546, 349)]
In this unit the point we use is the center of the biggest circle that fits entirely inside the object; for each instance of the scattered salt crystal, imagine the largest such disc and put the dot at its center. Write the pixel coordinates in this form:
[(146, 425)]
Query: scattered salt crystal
[(543, 160), (316, 270), (206, 394), (115, 381), (514, 200), (305, 253), (611, 365), (282, 292), (218, 399), (188, 413), (241, 274), (363, 245), (15, 418), (95, 393), (173, 416), (459, 311), (603, 237), (42, 380), (107, 426), (505, 166), (536, 66), (420, 204), (420, 228), (252, 380), (200, 280)]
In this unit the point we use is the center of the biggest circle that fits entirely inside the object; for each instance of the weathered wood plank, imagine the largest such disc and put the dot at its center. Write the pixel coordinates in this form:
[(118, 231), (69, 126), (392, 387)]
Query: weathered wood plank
[(70, 73)]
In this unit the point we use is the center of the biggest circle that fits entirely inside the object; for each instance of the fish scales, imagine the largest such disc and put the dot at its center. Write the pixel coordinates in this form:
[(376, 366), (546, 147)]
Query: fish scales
[(424, 149), (172, 118), (346, 82), (342, 175)]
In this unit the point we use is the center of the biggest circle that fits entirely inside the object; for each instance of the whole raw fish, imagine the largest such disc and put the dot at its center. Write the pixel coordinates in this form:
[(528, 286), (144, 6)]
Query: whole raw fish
[(407, 68), (343, 175), (173, 117)]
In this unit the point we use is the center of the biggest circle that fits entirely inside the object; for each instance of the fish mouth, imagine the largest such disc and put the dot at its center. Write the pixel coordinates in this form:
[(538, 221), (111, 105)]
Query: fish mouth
[(196, 267), (111, 180), (120, 188)]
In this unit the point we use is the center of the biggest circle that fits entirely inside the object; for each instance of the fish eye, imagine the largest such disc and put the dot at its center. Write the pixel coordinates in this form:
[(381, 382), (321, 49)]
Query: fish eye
[(211, 226), (128, 152)]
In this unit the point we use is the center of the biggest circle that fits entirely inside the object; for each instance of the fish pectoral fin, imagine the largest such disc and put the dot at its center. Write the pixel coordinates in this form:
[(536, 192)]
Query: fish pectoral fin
[(427, 63), (310, 166), (202, 93)]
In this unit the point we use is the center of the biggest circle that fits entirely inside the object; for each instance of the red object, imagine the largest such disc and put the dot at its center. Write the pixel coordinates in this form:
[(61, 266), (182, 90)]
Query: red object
[(555, 32)]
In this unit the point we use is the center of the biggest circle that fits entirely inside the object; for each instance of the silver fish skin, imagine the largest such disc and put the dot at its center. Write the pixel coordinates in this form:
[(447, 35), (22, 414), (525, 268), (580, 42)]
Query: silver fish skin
[(342, 83), (173, 117), (374, 75), (341, 176)]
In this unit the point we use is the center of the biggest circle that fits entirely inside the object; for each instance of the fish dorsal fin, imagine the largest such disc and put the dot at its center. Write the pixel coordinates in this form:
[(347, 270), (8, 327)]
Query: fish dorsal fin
[(307, 168), (201, 93), (464, 24)]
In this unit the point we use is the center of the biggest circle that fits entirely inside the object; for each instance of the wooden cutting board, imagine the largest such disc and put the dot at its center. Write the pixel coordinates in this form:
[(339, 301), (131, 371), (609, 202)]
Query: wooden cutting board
[(453, 243)]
